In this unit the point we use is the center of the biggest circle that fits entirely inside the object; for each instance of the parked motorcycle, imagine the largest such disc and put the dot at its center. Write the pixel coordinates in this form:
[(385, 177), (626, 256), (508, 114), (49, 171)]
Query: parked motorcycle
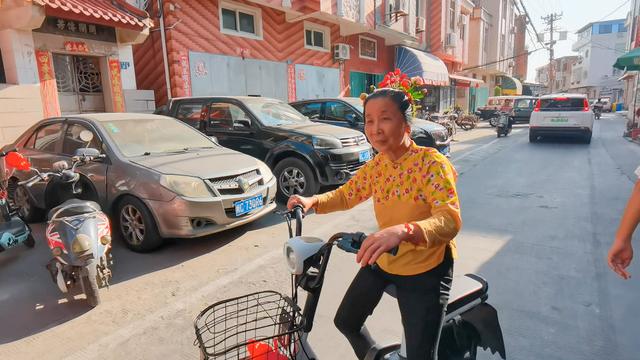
[(504, 125), (78, 232), (14, 229), (466, 122), (269, 325)]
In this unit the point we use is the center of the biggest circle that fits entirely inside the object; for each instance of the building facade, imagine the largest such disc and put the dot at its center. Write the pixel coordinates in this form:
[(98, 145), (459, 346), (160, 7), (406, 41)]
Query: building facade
[(63, 57), (599, 44), (563, 74), (290, 50)]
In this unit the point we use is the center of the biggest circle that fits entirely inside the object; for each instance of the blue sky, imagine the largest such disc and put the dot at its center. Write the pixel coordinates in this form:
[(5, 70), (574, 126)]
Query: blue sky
[(576, 14)]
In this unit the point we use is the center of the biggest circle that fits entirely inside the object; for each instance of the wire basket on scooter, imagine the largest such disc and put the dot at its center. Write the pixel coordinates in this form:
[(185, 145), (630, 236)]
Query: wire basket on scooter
[(262, 325)]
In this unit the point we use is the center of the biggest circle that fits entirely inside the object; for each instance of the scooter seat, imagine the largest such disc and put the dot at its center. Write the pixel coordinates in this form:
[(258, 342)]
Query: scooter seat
[(15, 226), (74, 207), (466, 290)]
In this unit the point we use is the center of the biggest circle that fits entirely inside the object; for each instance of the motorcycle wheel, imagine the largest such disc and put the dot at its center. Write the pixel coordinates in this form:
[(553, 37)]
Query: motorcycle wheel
[(30, 242), (89, 280), (466, 126)]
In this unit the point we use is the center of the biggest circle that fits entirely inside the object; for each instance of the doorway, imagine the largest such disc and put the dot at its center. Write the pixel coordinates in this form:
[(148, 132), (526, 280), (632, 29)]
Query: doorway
[(79, 82)]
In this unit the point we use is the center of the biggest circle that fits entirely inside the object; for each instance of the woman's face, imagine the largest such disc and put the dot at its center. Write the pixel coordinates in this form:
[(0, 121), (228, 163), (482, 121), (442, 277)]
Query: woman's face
[(384, 125)]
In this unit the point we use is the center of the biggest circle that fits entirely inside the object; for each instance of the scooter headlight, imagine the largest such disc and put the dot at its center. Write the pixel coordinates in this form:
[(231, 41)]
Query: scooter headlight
[(81, 244), (298, 249), (105, 240)]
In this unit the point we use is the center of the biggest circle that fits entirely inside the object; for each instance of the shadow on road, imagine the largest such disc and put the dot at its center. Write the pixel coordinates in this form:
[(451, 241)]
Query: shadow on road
[(31, 303)]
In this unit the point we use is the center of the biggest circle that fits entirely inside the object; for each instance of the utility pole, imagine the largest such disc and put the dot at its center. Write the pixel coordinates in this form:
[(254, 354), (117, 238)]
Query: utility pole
[(550, 20)]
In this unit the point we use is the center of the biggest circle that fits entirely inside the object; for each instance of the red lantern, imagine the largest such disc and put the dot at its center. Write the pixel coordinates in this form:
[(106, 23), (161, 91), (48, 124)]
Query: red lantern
[(17, 161)]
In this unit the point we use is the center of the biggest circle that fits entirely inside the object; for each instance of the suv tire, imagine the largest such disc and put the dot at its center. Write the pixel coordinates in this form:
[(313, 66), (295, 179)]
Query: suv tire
[(295, 177), (533, 137), (136, 225)]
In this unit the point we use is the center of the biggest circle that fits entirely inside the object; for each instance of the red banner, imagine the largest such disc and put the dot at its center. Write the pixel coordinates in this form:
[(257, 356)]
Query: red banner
[(48, 87), (186, 75), (116, 85), (291, 82)]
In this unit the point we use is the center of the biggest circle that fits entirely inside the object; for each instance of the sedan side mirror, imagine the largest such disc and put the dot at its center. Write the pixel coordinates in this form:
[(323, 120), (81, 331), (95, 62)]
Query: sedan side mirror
[(87, 152), (242, 124)]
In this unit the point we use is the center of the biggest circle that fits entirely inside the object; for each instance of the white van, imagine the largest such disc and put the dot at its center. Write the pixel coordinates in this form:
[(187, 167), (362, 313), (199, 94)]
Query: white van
[(561, 114)]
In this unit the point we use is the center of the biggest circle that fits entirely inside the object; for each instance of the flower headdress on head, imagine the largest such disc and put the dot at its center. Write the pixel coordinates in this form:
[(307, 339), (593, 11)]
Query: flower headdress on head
[(414, 88)]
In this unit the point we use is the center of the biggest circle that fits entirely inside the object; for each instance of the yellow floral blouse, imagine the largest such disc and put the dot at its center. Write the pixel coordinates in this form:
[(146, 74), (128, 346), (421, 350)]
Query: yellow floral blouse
[(418, 188)]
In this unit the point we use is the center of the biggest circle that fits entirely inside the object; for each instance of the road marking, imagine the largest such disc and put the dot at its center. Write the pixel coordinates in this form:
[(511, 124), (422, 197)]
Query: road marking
[(482, 147)]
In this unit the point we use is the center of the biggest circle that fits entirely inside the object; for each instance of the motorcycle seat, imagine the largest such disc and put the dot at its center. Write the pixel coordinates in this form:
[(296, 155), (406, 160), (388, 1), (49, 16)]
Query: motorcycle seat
[(15, 226), (74, 207), (466, 292)]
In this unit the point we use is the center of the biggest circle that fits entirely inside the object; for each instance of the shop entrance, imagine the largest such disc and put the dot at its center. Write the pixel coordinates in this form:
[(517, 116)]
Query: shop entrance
[(79, 84)]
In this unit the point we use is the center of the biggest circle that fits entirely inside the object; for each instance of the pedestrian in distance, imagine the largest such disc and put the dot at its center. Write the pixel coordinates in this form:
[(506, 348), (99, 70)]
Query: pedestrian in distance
[(621, 251)]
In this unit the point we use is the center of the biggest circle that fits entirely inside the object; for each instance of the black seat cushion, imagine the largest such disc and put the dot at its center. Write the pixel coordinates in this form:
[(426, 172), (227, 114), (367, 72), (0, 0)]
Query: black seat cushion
[(74, 207)]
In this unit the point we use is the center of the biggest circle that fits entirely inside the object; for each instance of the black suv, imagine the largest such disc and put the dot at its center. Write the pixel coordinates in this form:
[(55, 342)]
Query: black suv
[(347, 112), (302, 154)]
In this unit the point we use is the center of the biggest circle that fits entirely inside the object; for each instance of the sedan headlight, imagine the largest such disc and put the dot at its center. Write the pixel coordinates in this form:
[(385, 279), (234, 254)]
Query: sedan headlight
[(186, 186), (326, 142), (264, 170)]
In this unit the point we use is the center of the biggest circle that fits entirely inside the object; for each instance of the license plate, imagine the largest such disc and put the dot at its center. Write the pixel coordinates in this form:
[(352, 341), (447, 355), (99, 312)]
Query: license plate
[(248, 205), (365, 155), (559, 120)]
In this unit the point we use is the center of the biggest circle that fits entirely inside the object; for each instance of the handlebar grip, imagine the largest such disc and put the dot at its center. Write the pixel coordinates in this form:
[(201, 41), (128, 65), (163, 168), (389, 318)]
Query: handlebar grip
[(298, 212)]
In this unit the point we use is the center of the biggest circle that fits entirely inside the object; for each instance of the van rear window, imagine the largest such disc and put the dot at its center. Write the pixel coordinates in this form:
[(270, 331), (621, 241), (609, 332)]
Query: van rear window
[(562, 104)]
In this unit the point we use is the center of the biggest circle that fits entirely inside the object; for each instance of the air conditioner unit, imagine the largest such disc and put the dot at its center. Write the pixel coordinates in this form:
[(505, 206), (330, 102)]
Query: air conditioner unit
[(451, 39), (421, 24), (401, 7), (462, 20), (341, 52)]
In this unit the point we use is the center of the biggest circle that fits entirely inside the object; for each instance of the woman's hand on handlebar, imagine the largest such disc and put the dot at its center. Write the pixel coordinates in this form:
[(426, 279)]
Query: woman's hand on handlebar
[(380, 242), (307, 203)]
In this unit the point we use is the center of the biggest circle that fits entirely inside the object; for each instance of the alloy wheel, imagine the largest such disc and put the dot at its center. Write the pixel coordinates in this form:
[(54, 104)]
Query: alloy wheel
[(132, 225)]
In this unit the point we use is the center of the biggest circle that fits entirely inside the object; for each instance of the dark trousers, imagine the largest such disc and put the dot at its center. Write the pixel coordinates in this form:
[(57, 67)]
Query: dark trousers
[(422, 299)]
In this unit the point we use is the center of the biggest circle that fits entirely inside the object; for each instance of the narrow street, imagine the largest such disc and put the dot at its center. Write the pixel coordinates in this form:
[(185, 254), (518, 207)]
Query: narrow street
[(538, 220)]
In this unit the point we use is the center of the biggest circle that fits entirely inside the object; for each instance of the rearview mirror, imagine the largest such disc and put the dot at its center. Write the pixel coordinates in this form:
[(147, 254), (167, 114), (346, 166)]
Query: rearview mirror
[(86, 136), (87, 152), (242, 123), (60, 165)]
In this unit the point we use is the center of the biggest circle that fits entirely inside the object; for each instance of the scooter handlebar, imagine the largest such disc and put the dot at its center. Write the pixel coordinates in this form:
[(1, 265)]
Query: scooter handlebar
[(351, 242)]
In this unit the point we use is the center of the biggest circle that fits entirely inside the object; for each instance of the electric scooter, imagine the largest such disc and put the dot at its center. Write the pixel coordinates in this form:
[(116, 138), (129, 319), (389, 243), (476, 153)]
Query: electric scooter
[(267, 325), (13, 229)]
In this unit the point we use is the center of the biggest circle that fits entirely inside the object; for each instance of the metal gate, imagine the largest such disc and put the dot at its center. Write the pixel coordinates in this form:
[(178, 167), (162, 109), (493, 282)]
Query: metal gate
[(79, 83)]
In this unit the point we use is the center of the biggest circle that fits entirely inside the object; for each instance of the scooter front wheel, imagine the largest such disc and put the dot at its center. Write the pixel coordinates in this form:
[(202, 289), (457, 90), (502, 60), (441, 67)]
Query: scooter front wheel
[(90, 283)]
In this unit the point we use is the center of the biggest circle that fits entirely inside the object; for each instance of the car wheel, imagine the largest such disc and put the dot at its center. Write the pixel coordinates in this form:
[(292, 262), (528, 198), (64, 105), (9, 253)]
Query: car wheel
[(587, 139), (137, 226), (21, 201), (295, 177), (532, 137)]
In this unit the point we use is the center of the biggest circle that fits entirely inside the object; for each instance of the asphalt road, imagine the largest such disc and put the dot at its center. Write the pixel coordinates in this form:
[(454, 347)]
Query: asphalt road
[(538, 220)]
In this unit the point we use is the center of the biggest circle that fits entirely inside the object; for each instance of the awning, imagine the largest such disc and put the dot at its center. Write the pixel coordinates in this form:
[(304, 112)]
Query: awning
[(419, 63), (116, 13), (627, 75), (510, 85), (629, 61), (465, 81)]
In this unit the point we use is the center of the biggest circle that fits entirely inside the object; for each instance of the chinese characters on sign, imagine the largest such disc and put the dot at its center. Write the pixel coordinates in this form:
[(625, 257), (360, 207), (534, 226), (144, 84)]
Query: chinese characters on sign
[(48, 88), (291, 83), (76, 46), (186, 75), (116, 85), (73, 26)]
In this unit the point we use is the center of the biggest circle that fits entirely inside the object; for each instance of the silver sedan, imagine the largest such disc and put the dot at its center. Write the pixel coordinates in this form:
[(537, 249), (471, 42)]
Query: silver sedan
[(160, 178)]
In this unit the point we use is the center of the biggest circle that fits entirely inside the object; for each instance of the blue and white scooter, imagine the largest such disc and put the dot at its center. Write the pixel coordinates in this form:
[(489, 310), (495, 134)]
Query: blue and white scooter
[(14, 231)]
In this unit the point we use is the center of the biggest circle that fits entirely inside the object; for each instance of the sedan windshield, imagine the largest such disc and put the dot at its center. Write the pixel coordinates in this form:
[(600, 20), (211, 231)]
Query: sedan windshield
[(136, 137), (275, 113)]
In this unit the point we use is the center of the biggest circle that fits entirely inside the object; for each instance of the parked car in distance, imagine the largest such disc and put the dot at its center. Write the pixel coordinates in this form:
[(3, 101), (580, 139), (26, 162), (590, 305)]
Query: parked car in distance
[(348, 112), (159, 178), (302, 154), (522, 108), (561, 114)]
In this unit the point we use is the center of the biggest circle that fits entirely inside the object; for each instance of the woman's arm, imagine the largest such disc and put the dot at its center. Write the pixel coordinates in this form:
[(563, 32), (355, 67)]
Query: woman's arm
[(445, 220), (621, 251), (355, 191)]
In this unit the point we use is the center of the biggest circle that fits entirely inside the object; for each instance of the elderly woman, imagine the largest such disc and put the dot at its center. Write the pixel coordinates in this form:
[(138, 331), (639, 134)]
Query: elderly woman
[(416, 207)]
